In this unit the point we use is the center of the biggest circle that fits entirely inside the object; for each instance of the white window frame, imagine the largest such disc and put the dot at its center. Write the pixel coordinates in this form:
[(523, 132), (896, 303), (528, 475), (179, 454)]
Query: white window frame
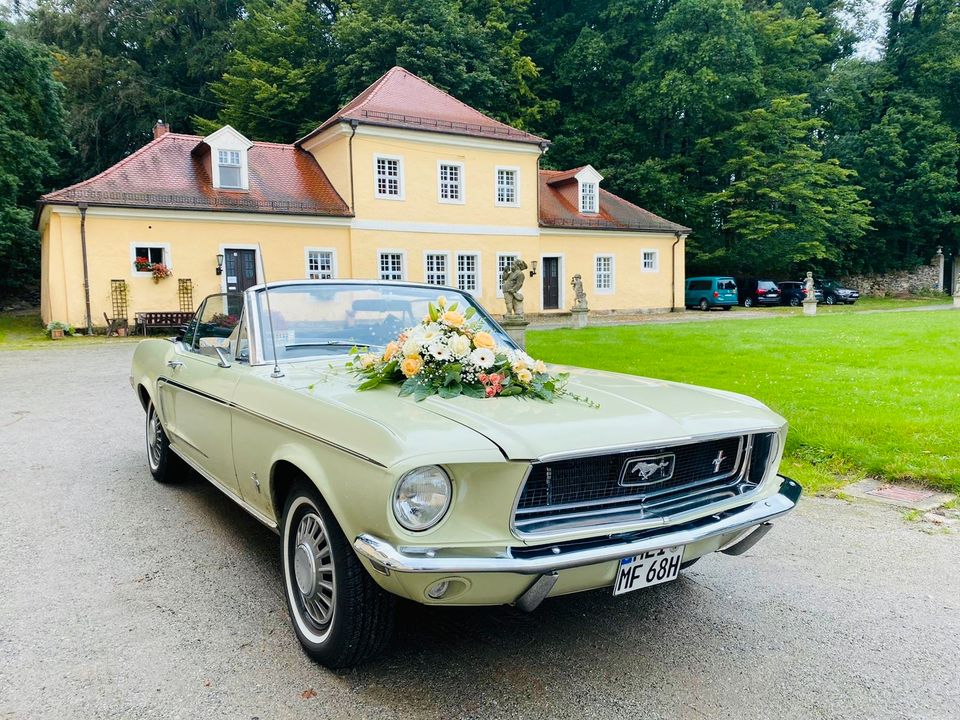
[(446, 267), (499, 271), (656, 260), (333, 261), (167, 257), (477, 273), (238, 165), (516, 185), (596, 274), (401, 195), (403, 263), (595, 195), (461, 184)]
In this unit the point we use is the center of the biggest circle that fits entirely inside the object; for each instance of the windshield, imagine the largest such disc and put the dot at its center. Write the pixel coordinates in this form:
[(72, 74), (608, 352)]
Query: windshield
[(322, 319)]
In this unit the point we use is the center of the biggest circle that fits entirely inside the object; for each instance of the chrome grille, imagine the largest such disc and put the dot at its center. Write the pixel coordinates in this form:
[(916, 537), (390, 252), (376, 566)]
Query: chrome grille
[(624, 487)]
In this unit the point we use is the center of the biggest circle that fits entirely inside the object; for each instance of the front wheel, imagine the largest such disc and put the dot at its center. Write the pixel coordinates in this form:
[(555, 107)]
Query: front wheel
[(704, 305), (748, 302), (164, 464), (830, 300), (340, 615), (794, 302)]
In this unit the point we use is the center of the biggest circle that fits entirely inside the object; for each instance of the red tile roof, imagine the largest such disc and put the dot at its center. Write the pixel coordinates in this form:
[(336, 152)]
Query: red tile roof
[(559, 208), (401, 99), (165, 173)]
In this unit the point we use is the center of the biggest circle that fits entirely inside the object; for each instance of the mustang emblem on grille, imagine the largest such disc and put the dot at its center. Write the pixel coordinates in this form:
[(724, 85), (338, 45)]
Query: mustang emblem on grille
[(647, 470), (718, 461)]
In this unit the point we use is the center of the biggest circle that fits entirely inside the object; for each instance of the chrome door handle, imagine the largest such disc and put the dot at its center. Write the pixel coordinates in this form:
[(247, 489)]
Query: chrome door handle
[(174, 364)]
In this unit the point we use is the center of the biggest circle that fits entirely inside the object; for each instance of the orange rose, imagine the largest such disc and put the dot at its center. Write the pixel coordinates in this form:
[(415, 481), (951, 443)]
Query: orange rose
[(390, 350), (452, 318), (483, 340), (411, 366)]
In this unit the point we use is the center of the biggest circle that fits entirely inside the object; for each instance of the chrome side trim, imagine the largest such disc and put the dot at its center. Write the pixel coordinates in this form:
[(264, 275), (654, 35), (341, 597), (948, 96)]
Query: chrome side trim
[(259, 516), (502, 560)]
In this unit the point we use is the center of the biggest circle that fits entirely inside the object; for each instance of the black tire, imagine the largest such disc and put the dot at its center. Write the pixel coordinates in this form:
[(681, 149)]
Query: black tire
[(165, 465), (704, 305), (794, 301), (748, 302), (351, 621), (830, 300)]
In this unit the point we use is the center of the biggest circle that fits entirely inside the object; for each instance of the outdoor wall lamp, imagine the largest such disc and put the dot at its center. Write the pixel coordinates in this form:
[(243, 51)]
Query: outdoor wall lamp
[(533, 268), (219, 264)]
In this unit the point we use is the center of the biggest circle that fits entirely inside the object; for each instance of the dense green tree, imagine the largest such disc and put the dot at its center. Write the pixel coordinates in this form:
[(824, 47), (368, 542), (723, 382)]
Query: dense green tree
[(32, 143), (786, 205)]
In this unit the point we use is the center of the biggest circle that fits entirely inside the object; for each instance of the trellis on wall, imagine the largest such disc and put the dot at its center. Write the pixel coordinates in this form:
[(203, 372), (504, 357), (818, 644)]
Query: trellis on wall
[(185, 294), (119, 299)]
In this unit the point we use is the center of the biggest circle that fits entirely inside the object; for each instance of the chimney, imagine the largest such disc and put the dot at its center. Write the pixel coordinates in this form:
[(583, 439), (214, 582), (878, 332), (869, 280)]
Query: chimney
[(161, 128)]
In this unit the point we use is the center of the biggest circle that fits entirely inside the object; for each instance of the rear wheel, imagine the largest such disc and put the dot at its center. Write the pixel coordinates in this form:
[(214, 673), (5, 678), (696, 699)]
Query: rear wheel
[(164, 464), (830, 300), (704, 305), (794, 301), (340, 615)]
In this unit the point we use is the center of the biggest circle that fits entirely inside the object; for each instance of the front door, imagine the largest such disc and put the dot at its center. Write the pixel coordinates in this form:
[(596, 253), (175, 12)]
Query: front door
[(551, 283), (241, 269)]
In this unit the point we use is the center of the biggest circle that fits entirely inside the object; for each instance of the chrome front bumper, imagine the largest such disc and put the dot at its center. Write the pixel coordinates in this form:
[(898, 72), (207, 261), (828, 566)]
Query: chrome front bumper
[(386, 558)]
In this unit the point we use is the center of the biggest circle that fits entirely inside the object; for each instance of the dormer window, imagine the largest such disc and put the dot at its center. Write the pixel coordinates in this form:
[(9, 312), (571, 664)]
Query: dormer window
[(225, 155), (588, 197), (230, 169)]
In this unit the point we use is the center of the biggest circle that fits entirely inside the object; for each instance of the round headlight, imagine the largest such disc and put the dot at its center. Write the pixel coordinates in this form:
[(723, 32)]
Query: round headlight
[(422, 497)]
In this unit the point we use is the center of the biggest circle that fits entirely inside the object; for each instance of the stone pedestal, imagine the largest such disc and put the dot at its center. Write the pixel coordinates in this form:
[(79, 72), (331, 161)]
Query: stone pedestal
[(578, 318), (516, 327), (810, 306), (956, 300)]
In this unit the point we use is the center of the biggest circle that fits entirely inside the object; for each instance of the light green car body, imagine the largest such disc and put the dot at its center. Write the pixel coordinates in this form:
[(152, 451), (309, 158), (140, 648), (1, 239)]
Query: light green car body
[(251, 434)]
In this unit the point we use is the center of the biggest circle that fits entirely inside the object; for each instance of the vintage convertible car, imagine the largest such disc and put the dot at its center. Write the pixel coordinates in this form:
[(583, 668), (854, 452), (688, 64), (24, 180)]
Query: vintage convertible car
[(462, 501)]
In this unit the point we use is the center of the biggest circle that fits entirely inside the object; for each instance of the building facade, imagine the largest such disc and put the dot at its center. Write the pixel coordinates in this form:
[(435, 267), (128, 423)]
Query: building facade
[(403, 183)]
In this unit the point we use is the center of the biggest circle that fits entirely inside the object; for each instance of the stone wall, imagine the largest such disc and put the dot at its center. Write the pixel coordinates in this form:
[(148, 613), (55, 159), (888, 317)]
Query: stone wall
[(925, 278)]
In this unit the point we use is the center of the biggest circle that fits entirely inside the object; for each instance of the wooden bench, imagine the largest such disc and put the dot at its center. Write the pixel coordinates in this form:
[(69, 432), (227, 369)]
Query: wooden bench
[(162, 320)]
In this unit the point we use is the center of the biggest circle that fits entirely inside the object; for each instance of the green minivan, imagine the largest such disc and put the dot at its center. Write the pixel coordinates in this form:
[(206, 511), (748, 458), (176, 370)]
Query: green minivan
[(708, 292)]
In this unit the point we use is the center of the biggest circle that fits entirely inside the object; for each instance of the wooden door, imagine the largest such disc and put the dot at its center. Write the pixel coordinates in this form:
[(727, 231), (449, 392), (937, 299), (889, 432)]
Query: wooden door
[(551, 283), (240, 267)]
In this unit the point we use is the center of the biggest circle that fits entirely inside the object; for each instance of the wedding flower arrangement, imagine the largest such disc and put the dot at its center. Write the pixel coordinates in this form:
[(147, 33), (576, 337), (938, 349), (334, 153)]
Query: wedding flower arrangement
[(449, 354)]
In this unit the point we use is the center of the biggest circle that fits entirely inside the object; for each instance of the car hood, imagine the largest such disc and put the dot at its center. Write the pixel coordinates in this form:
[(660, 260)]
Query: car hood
[(632, 410)]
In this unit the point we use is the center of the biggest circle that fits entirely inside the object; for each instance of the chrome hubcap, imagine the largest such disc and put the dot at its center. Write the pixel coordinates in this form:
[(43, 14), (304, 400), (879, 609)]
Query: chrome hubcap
[(154, 438), (313, 569)]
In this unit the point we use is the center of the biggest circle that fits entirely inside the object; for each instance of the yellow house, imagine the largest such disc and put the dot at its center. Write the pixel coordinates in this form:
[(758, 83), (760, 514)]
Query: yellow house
[(403, 183)]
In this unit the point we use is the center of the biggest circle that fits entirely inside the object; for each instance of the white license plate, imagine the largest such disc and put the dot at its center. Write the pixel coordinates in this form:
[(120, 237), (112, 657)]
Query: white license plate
[(650, 568)]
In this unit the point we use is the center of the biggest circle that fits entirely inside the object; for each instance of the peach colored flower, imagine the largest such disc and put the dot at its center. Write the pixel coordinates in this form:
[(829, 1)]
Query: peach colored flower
[(483, 340), (411, 366), (390, 350), (452, 318), (524, 376), (441, 301), (539, 366), (518, 366)]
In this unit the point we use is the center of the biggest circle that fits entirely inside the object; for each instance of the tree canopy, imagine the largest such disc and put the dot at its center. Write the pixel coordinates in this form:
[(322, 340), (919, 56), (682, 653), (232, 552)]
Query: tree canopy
[(753, 122)]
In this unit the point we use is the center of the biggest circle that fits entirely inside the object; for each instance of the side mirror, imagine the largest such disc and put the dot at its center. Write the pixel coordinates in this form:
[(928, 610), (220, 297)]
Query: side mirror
[(224, 356)]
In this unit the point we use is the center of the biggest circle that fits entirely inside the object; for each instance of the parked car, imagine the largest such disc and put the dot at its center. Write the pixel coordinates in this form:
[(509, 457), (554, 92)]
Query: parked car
[(463, 501), (709, 292), (755, 291), (835, 293), (793, 293)]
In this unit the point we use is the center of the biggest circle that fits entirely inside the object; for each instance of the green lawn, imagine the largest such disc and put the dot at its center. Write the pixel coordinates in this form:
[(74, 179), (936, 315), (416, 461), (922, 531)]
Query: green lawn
[(24, 331), (865, 394)]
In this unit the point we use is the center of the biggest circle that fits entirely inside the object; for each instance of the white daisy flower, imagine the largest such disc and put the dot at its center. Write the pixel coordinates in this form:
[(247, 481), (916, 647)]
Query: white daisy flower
[(482, 358), (440, 352)]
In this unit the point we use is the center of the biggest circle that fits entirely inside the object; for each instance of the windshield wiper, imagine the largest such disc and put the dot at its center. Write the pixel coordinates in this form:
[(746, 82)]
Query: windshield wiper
[(332, 343)]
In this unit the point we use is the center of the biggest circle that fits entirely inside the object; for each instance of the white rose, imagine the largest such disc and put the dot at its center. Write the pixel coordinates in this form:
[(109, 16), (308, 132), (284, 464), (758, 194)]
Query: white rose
[(367, 359), (482, 358), (459, 345), (411, 347)]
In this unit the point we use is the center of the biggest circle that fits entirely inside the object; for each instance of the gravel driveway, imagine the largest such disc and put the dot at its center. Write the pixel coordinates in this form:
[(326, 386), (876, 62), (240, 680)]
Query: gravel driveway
[(121, 598)]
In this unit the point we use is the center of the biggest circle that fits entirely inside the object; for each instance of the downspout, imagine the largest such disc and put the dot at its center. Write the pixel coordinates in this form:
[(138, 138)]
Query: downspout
[(353, 131), (673, 272), (86, 274), (543, 151)]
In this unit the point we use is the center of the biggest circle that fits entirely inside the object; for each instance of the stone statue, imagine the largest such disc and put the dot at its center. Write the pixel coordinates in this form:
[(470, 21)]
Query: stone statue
[(513, 277), (811, 292), (580, 301)]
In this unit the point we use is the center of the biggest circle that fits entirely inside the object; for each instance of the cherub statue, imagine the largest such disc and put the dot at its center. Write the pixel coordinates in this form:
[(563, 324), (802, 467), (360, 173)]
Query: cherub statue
[(513, 277), (576, 282), (811, 294)]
